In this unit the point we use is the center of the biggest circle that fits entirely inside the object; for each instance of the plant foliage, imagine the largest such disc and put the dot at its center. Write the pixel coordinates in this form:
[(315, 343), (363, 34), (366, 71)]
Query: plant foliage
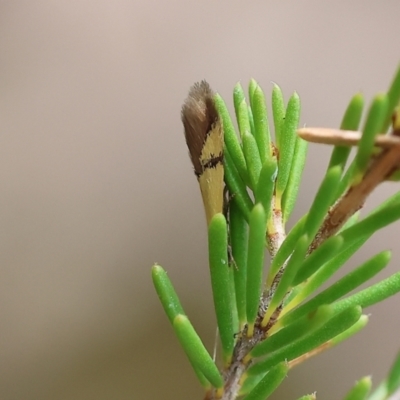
[(268, 327)]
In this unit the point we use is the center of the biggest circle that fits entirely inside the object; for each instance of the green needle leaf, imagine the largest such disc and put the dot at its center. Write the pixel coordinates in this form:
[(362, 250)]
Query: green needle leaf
[(290, 194), (343, 286), (302, 326), (166, 292), (286, 249), (322, 201), (238, 230), (252, 87), (360, 390), (172, 306), (336, 325), (372, 295), (266, 185), (352, 116), (200, 376), (394, 99), (351, 121), (287, 143), (308, 397), (380, 393), (238, 98), (251, 120), (324, 273), (250, 383), (255, 263), (375, 118), (230, 138), (391, 201), (242, 115), (278, 111), (195, 350), (393, 380), (317, 258), (252, 157), (269, 383), (243, 112), (360, 324), (236, 186), (261, 128), (221, 283), (378, 219), (286, 279)]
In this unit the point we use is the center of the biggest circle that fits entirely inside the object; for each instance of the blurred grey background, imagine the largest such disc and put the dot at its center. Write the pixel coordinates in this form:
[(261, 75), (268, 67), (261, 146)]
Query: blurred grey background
[(96, 184)]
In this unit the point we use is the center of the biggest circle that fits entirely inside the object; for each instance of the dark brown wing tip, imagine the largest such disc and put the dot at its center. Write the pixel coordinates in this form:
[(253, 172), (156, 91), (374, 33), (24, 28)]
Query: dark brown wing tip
[(200, 91), (198, 116)]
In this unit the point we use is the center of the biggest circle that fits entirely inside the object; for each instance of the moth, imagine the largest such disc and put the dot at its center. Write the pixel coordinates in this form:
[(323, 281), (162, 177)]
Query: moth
[(205, 141)]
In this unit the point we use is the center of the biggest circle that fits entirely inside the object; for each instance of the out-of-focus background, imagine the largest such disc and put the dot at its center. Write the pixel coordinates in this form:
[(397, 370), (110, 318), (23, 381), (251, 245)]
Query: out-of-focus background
[(96, 184)]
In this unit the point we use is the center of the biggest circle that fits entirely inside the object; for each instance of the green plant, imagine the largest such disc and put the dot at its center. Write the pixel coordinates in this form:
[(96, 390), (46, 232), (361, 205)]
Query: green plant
[(266, 328)]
